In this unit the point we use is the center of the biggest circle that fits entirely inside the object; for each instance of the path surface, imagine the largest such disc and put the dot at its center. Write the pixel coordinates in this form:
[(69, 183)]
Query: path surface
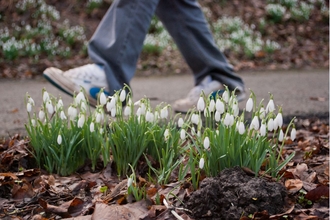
[(300, 93)]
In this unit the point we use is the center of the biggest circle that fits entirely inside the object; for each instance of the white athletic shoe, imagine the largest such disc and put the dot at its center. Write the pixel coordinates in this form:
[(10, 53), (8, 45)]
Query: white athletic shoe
[(91, 76), (209, 87)]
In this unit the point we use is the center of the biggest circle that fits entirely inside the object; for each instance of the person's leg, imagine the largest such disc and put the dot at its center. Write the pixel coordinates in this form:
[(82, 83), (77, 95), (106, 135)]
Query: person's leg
[(118, 40), (114, 49), (186, 23)]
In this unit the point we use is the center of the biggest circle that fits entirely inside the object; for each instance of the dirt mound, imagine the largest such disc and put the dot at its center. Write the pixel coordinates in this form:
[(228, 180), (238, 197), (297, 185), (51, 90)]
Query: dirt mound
[(233, 194)]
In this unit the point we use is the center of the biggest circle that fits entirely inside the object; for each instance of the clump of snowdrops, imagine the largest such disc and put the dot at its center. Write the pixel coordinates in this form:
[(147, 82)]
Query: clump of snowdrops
[(210, 137)]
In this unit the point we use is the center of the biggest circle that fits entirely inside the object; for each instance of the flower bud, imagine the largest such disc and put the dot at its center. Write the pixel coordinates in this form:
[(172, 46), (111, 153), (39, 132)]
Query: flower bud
[(41, 115), (28, 107), (293, 134), (263, 129), (92, 127), (220, 107), (81, 120), (255, 123), (241, 128), (164, 112), (200, 104), (59, 139), (166, 134), (79, 98), (279, 119), (45, 96), (182, 134), (206, 143), (212, 106), (270, 106), (180, 122), (201, 163), (127, 111), (270, 124), (194, 119), (281, 135), (50, 107), (249, 105), (129, 182), (225, 96), (122, 95), (217, 116)]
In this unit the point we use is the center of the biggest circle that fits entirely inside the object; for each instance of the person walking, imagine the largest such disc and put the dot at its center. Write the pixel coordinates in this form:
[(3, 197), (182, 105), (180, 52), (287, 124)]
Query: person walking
[(118, 40)]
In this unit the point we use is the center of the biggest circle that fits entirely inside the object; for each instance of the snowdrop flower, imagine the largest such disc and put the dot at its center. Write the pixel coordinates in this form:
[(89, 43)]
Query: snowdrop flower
[(270, 106), (279, 119), (98, 117), (194, 119), (255, 123), (293, 134), (92, 127), (270, 124), (281, 135), (41, 115), (103, 98), (59, 104), (241, 127), (166, 134), (262, 113), (198, 133), (62, 115), (30, 100), (83, 106), (50, 107), (263, 129), (220, 107), (127, 111), (201, 163), (228, 120), (33, 122), (81, 120), (45, 96), (249, 105), (72, 112), (138, 112), (206, 143), (225, 96), (29, 107), (79, 98), (129, 182), (182, 134), (217, 116), (111, 104), (212, 105), (59, 139), (143, 109), (180, 122), (122, 95), (200, 104), (164, 112), (149, 116), (101, 130), (235, 108), (113, 112)]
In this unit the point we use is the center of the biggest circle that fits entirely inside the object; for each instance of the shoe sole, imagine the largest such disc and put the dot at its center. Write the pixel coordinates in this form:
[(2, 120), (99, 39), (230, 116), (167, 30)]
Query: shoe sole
[(58, 83)]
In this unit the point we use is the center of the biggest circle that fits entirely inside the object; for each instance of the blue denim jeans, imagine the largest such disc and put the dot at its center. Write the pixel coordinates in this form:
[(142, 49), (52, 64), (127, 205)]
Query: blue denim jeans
[(118, 40)]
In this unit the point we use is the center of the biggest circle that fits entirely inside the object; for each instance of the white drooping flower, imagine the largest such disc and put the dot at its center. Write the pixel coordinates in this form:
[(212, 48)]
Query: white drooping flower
[(206, 143), (98, 117), (164, 112), (79, 98), (50, 107), (122, 95), (29, 107), (249, 105), (220, 107), (263, 129), (166, 134), (103, 98), (180, 122), (62, 115), (201, 163), (279, 119), (262, 113), (227, 120), (33, 122), (270, 106), (200, 104), (129, 182), (225, 96), (254, 123), (72, 112), (293, 134), (195, 119), (127, 111), (81, 120), (30, 100), (241, 127), (83, 106), (212, 105), (143, 109), (41, 115), (59, 104), (270, 124), (59, 139), (111, 104), (92, 127), (113, 112), (217, 116), (182, 134), (149, 116), (281, 135), (235, 108), (45, 96)]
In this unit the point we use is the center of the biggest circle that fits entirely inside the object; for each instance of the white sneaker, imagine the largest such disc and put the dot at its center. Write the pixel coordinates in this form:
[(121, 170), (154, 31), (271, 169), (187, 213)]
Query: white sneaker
[(91, 76), (209, 87)]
